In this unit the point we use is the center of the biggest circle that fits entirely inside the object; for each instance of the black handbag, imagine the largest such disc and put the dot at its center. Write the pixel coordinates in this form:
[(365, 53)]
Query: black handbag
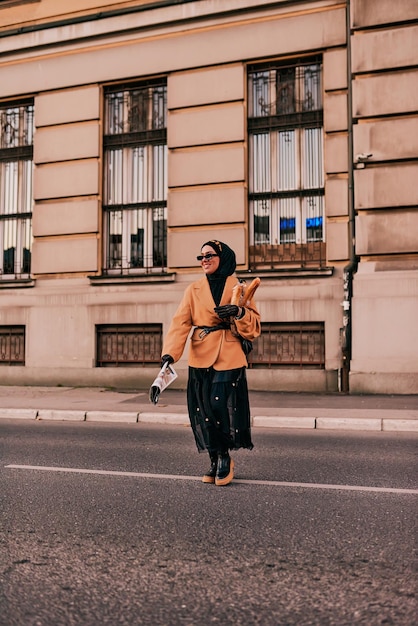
[(247, 345)]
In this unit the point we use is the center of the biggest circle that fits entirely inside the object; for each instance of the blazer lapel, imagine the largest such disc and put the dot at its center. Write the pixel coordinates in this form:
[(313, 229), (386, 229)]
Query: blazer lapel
[(231, 281), (204, 294)]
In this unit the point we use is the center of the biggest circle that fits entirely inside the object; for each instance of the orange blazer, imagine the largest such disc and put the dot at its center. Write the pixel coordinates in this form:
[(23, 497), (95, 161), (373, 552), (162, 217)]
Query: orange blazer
[(220, 348)]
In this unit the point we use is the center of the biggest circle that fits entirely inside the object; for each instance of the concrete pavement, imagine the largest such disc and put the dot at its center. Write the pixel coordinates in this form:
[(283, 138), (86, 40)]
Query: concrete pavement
[(268, 409)]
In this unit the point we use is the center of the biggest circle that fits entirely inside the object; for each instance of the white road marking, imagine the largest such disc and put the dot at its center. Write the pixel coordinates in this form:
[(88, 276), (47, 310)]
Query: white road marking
[(269, 483)]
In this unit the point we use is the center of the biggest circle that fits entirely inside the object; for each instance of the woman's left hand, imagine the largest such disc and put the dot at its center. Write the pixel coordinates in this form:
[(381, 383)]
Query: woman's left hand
[(166, 358), (227, 310)]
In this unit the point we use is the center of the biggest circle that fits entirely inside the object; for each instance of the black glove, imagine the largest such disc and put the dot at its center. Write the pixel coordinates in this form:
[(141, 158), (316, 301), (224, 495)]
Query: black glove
[(227, 310), (166, 358)]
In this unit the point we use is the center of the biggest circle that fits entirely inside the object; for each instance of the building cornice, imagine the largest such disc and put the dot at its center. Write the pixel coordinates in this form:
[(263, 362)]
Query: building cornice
[(150, 16)]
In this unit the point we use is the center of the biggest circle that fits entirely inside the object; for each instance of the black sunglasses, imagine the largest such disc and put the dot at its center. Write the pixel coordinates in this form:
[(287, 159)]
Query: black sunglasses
[(207, 256)]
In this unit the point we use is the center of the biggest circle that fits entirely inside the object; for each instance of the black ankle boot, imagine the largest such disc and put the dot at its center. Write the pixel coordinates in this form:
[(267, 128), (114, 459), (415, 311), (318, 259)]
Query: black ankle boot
[(209, 477), (225, 470)]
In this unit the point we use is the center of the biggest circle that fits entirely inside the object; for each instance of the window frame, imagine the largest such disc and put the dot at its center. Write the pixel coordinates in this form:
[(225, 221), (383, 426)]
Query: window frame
[(10, 335), (307, 339), (293, 192), (123, 339), (16, 188), (135, 197)]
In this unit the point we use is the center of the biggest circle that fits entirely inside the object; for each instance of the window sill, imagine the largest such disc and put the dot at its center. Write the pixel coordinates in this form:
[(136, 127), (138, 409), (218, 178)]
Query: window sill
[(16, 283), (294, 272), (130, 279)]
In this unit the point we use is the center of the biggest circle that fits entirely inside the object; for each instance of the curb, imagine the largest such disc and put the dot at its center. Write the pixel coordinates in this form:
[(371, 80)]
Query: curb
[(71, 416), (181, 419), (283, 422), (111, 416), (24, 414), (400, 425), (347, 423)]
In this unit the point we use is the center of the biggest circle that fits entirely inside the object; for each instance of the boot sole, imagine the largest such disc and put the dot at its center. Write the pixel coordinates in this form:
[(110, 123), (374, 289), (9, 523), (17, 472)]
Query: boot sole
[(208, 479), (220, 482)]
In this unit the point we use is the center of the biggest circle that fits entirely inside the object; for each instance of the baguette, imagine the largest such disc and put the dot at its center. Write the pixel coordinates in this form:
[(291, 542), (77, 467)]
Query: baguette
[(237, 292), (250, 291)]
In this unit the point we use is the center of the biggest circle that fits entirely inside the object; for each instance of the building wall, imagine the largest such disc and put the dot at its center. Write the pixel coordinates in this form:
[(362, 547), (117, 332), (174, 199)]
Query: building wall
[(203, 52), (67, 181), (385, 93)]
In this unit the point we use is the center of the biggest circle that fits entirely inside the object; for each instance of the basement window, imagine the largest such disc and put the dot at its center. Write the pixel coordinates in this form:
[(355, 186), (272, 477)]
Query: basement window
[(128, 345), (12, 345), (289, 345)]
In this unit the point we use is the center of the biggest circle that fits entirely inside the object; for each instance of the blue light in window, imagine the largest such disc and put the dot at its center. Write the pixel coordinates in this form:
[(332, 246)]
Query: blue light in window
[(287, 224), (314, 222)]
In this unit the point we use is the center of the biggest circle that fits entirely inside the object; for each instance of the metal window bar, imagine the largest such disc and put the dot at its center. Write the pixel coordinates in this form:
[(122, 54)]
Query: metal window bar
[(16, 189), (290, 344), (285, 94), (16, 123), (135, 186), (270, 256), (127, 345), (12, 345)]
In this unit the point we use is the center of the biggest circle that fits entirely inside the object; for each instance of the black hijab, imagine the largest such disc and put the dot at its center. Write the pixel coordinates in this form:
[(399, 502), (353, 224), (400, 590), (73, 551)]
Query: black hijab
[(226, 268)]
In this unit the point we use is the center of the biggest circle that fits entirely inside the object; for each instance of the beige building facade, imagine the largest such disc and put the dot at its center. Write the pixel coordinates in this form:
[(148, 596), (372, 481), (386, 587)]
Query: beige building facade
[(134, 131)]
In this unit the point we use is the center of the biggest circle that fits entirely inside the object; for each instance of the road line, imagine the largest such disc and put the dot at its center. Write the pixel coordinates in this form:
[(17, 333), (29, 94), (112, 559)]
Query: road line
[(269, 483)]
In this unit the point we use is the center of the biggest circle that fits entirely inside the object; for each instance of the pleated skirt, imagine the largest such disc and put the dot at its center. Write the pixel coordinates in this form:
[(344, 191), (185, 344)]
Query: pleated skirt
[(219, 409)]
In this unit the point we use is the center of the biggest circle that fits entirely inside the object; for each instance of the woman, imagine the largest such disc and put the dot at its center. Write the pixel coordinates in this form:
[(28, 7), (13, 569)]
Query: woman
[(217, 393)]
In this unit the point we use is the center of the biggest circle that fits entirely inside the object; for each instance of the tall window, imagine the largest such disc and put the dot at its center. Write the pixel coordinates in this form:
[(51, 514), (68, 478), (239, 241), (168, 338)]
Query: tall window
[(135, 178), (286, 179), (16, 173)]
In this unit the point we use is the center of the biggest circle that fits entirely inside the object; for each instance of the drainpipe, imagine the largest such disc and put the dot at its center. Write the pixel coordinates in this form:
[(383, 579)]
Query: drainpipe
[(350, 269)]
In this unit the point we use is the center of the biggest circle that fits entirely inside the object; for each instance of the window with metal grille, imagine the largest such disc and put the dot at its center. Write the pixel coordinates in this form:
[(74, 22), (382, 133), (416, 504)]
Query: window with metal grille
[(135, 178), (289, 344), (286, 172), (125, 345), (16, 173), (12, 345)]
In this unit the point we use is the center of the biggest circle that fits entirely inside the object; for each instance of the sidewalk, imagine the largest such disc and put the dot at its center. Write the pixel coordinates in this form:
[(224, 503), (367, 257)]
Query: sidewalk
[(268, 409)]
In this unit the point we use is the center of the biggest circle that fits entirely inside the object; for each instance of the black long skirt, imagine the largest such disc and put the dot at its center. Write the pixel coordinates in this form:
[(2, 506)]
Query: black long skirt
[(219, 409)]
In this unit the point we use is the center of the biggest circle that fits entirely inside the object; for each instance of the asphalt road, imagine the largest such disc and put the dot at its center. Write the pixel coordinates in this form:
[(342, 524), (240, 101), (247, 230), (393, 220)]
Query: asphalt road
[(317, 529)]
